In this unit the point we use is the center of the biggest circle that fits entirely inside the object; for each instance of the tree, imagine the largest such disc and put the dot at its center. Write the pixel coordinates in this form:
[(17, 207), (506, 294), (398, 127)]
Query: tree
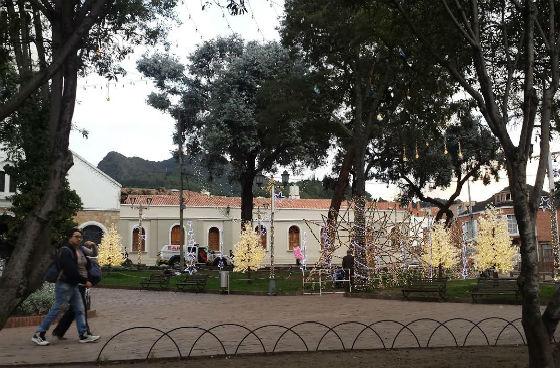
[(111, 251), (54, 41), (418, 157), (37, 118), (439, 252), (248, 253), (249, 104), (378, 84), (493, 246), (512, 74)]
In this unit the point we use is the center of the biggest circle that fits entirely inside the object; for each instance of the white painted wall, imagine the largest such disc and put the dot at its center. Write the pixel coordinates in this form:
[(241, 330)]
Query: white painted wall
[(96, 189)]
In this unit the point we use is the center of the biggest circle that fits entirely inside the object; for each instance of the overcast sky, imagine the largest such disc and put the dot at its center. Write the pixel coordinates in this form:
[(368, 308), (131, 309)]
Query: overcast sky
[(118, 118)]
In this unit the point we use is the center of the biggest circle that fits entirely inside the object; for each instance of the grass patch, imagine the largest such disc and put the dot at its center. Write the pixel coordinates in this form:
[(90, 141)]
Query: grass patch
[(290, 282), (287, 281)]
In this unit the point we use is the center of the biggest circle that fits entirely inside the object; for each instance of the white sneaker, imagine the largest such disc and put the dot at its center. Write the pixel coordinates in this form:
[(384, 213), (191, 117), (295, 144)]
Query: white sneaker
[(37, 339), (88, 338)]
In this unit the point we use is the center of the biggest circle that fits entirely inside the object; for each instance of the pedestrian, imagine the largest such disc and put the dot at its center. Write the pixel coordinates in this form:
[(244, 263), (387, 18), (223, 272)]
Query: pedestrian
[(348, 266), (90, 250), (73, 271)]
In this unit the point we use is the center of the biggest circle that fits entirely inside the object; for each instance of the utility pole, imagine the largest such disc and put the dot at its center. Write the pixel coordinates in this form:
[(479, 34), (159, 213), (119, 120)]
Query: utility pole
[(136, 202), (181, 202)]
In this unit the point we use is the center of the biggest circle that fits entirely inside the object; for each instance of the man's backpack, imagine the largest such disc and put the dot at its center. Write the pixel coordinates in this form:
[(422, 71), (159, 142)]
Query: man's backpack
[(54, 271)]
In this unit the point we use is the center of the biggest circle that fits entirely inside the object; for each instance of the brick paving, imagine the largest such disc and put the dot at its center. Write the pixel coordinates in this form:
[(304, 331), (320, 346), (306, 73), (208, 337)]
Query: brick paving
[(121, 309)]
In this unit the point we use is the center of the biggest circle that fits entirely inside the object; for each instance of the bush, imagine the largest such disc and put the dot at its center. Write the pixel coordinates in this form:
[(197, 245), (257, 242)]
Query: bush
[(39, 302)]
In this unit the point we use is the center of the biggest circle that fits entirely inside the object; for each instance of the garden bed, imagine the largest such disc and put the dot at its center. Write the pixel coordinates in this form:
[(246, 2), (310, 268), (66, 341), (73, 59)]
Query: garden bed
[(29, 321)]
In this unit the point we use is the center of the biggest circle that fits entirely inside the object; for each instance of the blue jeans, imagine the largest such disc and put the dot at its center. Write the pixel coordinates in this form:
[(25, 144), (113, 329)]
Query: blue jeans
[(65, 293)]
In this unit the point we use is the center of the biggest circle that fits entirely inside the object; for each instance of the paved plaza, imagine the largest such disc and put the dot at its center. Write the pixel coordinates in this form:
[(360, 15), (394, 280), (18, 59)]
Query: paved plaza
[(121, 309)]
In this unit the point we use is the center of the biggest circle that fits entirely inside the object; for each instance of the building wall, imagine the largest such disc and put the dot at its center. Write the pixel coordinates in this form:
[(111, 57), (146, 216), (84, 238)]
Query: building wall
[(103, 219), (158, 221), (96, 190)]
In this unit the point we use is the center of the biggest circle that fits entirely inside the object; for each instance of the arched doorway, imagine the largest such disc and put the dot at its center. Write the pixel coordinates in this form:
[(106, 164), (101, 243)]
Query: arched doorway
[(92, 233), (214, 239), (135, 240), (262, 233), (176, 235), (293, 237)]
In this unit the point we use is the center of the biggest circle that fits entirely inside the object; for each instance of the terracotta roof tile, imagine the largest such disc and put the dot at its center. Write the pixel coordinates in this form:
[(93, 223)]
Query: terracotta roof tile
[(194, 199)]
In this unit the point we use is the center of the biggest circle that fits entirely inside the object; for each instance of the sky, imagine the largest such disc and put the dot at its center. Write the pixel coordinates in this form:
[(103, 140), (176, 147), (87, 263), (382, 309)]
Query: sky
[(117, 117)]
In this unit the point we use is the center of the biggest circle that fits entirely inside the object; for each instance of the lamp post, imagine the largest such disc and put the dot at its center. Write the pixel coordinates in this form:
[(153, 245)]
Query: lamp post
[(260, 180), (137, 203)]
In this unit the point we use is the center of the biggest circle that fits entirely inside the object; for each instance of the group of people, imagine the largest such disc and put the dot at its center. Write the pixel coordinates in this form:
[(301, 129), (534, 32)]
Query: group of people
[(74, 262)]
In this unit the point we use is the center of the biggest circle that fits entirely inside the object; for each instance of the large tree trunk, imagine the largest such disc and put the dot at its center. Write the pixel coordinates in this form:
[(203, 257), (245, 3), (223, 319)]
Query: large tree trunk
[(32, 253), (246, 182), (540, 350)]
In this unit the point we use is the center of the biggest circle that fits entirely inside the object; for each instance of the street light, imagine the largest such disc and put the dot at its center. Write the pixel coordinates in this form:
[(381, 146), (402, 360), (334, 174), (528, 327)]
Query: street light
[(259, 180), (135, 202)]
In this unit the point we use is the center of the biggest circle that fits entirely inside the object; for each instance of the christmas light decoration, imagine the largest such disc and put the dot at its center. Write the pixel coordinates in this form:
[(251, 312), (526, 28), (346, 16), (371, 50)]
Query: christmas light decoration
[(111, 251), (439, 251), (248, 252), (191, 257), (493, 246)]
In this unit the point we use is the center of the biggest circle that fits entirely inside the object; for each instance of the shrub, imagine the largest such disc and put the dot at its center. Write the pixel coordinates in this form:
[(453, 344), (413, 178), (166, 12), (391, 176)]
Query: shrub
[(38, 302)]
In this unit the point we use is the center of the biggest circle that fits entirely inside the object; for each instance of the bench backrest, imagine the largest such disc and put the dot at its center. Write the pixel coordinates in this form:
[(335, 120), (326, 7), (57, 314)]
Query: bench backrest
[(498, 284), (428, 281)]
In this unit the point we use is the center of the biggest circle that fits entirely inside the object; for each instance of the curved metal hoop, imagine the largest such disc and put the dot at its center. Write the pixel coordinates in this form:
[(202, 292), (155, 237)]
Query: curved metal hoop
[(140, 328)]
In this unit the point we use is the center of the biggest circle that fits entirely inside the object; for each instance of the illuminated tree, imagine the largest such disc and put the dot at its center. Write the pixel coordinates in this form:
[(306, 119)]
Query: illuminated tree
[(248, 254), (493, 244), (439, 251), (111, 249)]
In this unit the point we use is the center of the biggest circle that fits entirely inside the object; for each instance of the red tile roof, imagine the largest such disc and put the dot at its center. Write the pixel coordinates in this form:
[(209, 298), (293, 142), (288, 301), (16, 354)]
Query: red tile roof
[(194, 199)]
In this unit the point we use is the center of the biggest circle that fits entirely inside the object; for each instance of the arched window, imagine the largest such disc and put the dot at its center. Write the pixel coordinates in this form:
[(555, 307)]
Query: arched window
[(214, 239), (293, 237), (92, 233), (135, 240), (176, 235), (262, 233)]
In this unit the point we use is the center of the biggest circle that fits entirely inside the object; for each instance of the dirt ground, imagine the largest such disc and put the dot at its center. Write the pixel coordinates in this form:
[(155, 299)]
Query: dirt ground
[(468, 357), (121, 309)]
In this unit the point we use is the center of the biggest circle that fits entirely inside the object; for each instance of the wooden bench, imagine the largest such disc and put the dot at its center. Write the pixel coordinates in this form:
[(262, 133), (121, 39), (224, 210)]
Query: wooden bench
[(495, 286), (157, 280), (195, 282), (427, 285)]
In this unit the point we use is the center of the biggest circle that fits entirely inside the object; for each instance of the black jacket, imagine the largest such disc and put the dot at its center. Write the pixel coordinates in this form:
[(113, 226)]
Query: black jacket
[(68, 263)]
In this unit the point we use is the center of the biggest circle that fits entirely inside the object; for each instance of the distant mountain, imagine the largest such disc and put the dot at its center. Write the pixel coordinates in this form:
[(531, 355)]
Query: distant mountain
[(139, 173), (135, 172)]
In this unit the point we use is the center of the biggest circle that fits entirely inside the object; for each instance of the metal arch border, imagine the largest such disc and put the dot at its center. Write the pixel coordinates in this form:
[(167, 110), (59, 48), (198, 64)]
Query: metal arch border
[(329, 329), (190, 328), (139, 328), (403, 327), (227, 325), (366, 327), (508, 324), (475, 325), (286, 329)]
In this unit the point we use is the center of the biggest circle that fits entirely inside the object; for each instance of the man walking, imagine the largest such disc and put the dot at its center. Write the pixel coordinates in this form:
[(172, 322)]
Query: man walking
[(73, 271)]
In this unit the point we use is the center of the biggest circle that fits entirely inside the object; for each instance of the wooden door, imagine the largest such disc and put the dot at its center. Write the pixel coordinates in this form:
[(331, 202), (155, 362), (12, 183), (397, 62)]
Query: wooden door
[(135, 240), (214, 239), (176, 235), (293, 237)]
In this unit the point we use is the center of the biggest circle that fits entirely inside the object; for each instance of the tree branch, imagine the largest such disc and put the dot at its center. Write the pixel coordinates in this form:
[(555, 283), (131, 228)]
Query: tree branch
[(45, 8), (41, 77), (467, 33)]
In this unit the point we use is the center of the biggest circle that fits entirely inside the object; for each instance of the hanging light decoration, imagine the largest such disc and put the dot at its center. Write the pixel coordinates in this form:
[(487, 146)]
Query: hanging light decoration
[(445, 152), (460, 154), (417, 155), (404, 153)]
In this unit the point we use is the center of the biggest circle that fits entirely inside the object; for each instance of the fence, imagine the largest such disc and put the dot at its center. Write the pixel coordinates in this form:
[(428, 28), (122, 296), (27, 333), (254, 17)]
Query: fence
[(233, 339)]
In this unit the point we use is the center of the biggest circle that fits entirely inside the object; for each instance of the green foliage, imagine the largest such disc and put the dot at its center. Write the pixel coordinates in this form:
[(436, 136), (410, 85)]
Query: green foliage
[(38, 302)]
